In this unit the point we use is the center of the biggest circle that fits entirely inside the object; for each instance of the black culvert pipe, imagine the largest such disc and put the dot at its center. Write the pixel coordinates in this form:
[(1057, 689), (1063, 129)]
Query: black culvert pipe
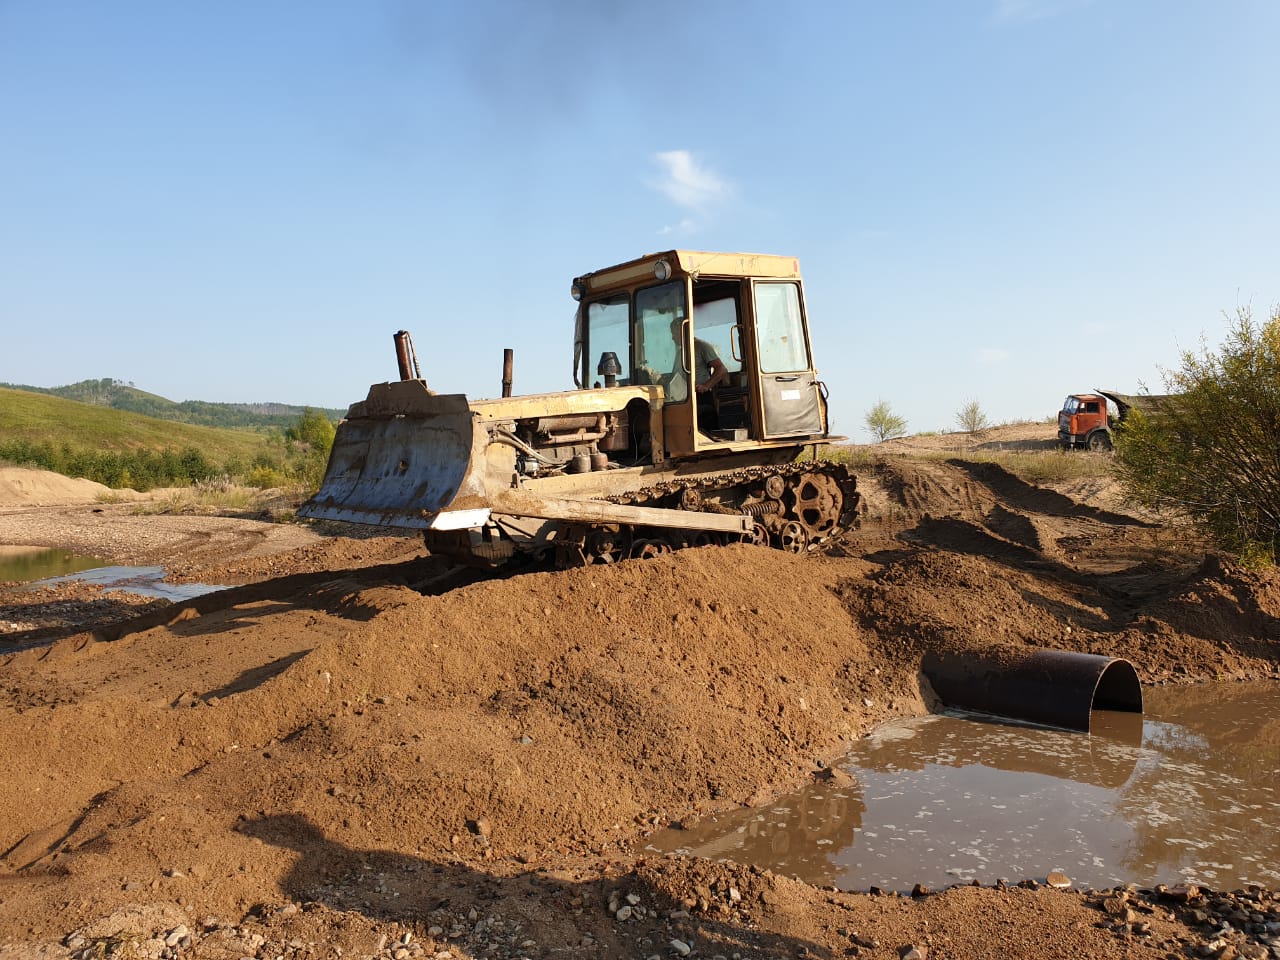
[(1051, 687)]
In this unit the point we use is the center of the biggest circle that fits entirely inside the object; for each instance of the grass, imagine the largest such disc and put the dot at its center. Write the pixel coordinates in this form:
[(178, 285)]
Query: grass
[(859, 456), (37, 418), (129, 450), (1049, 466), (222, 497)]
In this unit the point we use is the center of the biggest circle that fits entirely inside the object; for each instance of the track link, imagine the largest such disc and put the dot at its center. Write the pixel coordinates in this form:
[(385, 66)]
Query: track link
[(799, 507)]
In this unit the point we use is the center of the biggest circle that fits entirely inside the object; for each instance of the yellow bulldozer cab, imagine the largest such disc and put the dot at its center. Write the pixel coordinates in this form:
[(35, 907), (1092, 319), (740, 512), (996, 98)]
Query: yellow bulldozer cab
[(681, 318)]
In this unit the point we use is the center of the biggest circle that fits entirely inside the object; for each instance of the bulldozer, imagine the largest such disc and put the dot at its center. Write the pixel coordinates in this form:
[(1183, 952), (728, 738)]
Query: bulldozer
[(695, 398)]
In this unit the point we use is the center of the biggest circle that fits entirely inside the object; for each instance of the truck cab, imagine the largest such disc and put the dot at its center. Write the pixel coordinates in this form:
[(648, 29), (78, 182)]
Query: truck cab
[(1085, 421)]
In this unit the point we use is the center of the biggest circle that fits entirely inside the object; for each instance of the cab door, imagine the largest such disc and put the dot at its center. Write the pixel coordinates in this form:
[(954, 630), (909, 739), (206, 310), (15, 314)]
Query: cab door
[(789, 397)]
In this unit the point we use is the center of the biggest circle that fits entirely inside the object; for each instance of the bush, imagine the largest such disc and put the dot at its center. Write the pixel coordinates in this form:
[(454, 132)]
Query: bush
[(303, 452), (971, 419), (313, 430), (1211, 452), (882, 423), (264, 478), (139, 469)]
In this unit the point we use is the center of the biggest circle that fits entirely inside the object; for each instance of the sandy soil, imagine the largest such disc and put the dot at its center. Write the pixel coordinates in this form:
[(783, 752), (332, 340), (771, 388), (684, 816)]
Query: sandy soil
[(360, 749)]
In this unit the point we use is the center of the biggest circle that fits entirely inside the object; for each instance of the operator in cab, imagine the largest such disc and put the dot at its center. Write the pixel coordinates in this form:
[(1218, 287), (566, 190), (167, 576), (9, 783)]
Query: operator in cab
[(709, 373)]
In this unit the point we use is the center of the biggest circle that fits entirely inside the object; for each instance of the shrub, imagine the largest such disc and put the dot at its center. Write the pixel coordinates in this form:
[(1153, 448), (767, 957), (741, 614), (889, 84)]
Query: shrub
[(882, 423), (970, 417), (139, 469), (264, 477), (1211, 452), (313, 430)]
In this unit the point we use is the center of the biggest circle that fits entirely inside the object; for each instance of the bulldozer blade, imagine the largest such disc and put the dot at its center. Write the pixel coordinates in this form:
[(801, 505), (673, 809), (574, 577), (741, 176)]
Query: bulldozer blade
[(403, 458)]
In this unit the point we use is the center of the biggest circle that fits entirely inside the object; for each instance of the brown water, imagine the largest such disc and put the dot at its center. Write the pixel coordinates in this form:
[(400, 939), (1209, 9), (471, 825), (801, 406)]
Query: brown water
[(35, 563), (144, 581), (1191, 791), (42, 566)]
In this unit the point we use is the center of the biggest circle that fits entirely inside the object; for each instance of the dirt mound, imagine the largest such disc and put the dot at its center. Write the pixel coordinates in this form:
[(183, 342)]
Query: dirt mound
[(353, 746), (315, 554), (1026, 437), (29, 487)]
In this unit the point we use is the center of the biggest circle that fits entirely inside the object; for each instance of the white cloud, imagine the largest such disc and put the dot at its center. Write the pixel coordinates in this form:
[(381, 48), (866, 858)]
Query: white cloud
[(686, 225), (991, 356), (688, 183)]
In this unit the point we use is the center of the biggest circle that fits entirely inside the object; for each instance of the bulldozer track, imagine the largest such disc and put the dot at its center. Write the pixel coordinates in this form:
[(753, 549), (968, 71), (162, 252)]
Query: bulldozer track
[(804, 505)]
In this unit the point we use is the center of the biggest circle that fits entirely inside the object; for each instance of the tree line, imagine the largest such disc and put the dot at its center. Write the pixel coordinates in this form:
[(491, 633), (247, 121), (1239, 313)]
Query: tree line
[(296, 455)]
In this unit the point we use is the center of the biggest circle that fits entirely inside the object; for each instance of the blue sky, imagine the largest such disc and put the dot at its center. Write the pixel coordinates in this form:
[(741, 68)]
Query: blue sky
[(1000, 200)]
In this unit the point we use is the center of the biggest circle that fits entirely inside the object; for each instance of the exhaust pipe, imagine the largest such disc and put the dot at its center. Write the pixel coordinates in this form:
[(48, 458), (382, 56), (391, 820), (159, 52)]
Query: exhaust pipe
[(406, 357), (508, 357)]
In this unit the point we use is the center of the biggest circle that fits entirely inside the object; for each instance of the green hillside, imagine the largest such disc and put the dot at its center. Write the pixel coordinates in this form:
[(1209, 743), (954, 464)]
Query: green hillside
[(120, 449), (38, 418), (118, 395)]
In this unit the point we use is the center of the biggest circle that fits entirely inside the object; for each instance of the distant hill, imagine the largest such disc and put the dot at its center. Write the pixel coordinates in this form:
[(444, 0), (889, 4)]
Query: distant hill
[(118, 395), (31, 419)]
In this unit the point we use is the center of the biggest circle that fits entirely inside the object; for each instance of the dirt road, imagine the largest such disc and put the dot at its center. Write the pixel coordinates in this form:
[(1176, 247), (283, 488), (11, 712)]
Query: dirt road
[(358, 750)]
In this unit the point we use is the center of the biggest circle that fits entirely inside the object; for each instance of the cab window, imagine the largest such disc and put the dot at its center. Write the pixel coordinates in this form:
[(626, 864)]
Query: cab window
[(779, 329), (607, 332), (656, 357)]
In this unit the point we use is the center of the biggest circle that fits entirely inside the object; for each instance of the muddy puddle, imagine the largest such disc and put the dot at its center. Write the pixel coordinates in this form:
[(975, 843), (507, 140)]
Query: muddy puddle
[(41, 566), (23, 564), (145, 581), (1188, 792)]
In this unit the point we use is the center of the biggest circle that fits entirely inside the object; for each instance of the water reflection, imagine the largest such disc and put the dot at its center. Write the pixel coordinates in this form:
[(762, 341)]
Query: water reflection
[(144, 581), (21, 564), (1205, 801), (1187, 793), (796, 835)]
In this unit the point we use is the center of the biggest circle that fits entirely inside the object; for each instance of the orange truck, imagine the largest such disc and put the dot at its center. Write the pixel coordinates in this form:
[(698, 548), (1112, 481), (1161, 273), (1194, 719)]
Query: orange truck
[(1089, 419)]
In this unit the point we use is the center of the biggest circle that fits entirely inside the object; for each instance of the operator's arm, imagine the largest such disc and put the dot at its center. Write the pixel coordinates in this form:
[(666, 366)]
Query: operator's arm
[(719, 375)]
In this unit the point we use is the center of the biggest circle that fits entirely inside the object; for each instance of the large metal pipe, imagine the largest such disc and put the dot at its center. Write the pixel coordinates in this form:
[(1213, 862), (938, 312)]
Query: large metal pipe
[(508, 362), (1056, 688)]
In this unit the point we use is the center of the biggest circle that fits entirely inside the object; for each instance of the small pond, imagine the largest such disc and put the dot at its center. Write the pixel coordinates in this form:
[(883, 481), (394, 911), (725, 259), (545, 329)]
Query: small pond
[(42, 566), (1188, 792), (23, 564), (145, 581)]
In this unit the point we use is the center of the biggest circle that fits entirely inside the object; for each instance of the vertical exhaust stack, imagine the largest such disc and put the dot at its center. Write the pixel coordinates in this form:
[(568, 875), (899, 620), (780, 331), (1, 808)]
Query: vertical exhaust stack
[(508, 364), (406, 356)]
